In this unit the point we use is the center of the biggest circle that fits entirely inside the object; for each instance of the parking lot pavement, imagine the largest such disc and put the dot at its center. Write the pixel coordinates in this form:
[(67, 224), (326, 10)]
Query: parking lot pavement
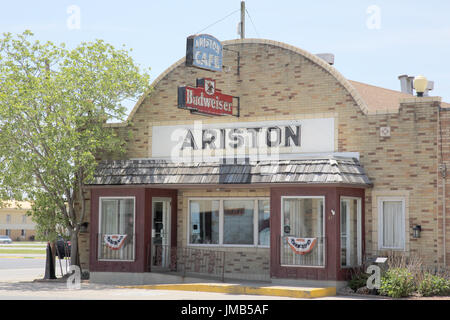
[(17, 275)]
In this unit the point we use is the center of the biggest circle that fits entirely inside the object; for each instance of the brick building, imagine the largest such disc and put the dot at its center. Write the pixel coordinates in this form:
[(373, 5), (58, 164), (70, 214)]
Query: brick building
[(313, 175)]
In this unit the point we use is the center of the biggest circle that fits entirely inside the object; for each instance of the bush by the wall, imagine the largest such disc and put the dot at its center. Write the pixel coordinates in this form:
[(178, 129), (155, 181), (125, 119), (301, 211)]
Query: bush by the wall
[(358, 280), (397, 283), (433, 285)]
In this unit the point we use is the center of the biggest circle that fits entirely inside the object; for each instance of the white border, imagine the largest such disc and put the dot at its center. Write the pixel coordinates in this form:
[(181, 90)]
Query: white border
[(166, 201), (359, 230), (380, 201), (221, 222), (317, 136), (323, 231), (100, 224)]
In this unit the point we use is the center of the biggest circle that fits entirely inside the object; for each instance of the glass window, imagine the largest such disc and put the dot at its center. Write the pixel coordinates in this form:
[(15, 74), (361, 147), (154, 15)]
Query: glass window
[(303, 231), (238, 221), (116, 235), (204, 222), (263, 222), (391, 223), (229, 222), (350, 226)]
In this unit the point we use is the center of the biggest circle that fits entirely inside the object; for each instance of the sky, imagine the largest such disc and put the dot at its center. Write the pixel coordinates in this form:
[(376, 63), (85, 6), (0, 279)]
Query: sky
[(373, 41)]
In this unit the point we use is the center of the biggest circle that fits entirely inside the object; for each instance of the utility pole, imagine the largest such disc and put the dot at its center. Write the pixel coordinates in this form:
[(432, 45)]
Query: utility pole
[(242, 20)]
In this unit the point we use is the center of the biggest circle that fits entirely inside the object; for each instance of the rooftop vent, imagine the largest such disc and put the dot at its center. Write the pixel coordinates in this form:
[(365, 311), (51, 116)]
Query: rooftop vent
[(429, 88), (406, 84), (328, 57)]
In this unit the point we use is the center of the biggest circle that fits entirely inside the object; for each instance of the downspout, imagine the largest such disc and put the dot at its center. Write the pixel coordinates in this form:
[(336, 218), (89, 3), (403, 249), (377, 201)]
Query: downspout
[(444, 173), (443, 170)]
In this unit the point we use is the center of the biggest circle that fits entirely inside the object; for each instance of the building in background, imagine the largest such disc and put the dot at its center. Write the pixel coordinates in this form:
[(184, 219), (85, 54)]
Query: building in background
[(15, 223)]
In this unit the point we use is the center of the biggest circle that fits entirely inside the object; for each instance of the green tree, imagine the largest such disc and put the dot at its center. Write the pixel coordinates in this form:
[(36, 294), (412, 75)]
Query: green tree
[(54, 103)]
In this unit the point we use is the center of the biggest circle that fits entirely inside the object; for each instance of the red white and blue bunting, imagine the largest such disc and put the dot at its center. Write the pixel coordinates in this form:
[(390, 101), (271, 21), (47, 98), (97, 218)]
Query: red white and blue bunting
[(301, 245), (114, 241)]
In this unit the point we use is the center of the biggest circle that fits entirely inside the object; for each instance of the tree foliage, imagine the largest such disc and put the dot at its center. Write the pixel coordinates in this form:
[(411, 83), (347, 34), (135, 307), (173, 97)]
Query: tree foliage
[(54, 103)]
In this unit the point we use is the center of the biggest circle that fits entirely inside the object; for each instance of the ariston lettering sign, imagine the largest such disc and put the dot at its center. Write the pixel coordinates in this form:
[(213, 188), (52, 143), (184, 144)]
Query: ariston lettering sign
[(249, 139), (236, 138), (205, 98)]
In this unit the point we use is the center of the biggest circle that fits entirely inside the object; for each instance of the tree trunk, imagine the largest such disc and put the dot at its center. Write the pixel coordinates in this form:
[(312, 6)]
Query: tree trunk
[(74, 252), (50, 263)]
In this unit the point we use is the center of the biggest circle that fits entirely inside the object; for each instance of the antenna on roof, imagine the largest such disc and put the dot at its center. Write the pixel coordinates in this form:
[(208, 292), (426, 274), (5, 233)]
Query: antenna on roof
[(241, 25)]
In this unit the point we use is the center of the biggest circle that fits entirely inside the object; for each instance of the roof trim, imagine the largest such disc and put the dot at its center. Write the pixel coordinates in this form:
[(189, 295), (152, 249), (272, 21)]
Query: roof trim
[(230, 186), (315, 59), (342, 171)]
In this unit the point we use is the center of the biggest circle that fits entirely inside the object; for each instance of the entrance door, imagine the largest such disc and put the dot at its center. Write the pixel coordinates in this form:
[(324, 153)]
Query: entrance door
[(351, 249), (161, 209)]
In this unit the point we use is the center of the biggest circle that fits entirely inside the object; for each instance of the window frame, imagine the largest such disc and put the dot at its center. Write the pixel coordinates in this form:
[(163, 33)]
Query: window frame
[(324, 262), (100, 225), (380, 201), (188, 235), (221, 222), (256, 222), (359, 232)]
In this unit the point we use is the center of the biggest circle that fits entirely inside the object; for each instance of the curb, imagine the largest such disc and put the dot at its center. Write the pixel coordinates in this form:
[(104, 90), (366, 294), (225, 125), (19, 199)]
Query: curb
[(291, 292)]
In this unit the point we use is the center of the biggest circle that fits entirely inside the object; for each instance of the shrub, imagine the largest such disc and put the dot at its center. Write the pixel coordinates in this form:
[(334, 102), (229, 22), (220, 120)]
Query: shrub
[(434, 286), (358, 280), (397, 283)]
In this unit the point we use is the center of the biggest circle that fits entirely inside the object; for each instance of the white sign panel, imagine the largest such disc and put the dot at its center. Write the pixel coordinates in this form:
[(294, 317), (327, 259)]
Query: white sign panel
[(244, 139)]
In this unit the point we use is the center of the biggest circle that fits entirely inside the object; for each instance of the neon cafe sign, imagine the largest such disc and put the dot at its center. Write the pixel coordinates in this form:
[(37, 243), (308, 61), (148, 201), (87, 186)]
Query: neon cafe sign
[(205, 52)]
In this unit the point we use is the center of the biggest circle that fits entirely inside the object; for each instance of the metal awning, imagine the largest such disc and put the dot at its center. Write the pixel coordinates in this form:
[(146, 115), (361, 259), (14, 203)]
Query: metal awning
[(333, 170)]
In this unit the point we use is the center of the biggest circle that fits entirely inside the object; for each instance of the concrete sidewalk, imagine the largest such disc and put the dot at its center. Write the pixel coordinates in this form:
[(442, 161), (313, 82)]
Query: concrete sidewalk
[(32, 289), (263, 289)]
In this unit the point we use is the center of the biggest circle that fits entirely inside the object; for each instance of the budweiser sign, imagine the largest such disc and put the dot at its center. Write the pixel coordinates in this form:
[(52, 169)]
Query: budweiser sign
[(205, 98)]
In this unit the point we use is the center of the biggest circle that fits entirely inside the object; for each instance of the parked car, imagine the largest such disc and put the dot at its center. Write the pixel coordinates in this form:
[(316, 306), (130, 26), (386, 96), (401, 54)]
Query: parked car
[(62, 247), (5, 239)]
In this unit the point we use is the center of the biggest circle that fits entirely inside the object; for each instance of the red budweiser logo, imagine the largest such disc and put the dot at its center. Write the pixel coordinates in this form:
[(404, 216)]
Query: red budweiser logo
[(205, 98)]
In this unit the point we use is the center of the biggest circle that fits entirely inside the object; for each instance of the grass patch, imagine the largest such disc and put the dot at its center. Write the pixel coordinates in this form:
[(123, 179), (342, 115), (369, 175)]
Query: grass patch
[(18, 252), (25, 243), (8, 246)]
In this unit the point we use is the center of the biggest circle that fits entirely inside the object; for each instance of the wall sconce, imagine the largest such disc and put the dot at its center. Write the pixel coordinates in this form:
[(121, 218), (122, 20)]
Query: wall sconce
[(84, 227), (416, 231)]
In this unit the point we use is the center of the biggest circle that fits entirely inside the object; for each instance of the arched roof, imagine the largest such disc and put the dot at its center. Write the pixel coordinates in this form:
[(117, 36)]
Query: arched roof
[(313, 58)]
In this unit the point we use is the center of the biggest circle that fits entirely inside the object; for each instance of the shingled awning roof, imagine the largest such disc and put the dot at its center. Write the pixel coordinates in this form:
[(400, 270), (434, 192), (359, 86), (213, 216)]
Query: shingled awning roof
[(334, 170)]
